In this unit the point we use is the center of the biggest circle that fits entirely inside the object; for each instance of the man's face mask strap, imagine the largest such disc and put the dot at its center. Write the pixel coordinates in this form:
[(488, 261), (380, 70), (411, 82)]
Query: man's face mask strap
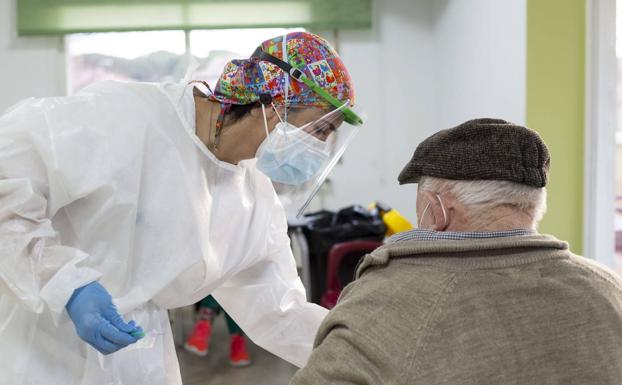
[(425, 210)]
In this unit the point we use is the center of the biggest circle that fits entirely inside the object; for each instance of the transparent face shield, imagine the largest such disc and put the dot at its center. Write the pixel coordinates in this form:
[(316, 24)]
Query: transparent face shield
[(301, 150), (306, 143)]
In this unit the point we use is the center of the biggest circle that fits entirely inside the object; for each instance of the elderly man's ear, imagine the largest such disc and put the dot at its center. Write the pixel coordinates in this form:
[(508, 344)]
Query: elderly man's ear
[(437, 217)]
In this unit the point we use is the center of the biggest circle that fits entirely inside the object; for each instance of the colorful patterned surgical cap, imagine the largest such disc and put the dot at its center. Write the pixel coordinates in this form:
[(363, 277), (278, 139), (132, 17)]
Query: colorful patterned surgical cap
[(244, 81)]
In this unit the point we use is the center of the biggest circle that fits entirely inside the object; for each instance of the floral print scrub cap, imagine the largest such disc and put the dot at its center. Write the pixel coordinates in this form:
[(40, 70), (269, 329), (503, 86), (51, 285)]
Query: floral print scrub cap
[(245, 81)]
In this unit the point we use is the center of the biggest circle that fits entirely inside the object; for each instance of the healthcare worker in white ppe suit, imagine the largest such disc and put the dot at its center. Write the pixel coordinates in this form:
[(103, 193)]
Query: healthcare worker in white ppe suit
[(128, 199)]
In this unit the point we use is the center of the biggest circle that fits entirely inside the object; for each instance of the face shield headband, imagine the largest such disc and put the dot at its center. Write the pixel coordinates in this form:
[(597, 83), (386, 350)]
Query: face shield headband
[(349, 115)]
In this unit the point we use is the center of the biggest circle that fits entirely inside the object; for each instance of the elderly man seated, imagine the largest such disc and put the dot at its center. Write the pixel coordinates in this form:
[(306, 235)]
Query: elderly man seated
[(475, 295)]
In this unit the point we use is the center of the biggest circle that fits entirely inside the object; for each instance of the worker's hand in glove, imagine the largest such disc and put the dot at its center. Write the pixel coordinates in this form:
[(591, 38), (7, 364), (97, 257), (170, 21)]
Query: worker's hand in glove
[(97, 321)]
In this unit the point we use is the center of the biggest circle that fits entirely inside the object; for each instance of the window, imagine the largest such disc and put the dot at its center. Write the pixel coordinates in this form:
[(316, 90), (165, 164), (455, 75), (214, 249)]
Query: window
[(159, 55)]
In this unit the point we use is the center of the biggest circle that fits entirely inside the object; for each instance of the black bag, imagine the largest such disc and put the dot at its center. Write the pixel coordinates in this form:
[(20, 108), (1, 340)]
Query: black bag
[(323, 229)]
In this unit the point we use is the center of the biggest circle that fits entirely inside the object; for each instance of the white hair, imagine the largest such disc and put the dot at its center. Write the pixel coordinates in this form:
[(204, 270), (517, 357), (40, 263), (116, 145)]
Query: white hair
[(481, 196)]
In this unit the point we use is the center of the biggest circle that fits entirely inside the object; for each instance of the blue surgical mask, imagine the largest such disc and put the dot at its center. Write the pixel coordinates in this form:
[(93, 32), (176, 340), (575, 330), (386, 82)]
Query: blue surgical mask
[(289, 156)]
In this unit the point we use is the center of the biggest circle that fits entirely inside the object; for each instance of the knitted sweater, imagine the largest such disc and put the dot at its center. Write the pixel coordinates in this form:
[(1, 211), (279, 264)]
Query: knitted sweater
[(519, 310)]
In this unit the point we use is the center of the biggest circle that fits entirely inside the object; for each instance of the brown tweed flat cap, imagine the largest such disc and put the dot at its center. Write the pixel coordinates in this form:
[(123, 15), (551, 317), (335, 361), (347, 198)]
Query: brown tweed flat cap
[(491, 149)]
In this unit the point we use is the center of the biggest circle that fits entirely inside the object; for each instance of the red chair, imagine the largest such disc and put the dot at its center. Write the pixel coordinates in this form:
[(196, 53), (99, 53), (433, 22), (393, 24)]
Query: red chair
[(338, 255)]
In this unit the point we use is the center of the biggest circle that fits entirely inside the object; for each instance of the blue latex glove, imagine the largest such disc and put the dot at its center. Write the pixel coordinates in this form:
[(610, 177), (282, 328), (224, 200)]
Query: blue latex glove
[(97, 321)]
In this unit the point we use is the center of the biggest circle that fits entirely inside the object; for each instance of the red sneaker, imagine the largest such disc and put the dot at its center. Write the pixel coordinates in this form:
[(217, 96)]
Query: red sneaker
[(238, 355), (198, 342)]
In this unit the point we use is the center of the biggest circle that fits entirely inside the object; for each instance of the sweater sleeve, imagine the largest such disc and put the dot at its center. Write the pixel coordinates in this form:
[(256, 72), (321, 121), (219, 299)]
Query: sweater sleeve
[(372, 336), (342, 354)]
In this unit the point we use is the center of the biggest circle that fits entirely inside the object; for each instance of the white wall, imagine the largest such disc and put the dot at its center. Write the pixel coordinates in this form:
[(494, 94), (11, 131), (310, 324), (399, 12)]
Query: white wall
[(426, 65), (28, 66), (392, 67), (480, 60)]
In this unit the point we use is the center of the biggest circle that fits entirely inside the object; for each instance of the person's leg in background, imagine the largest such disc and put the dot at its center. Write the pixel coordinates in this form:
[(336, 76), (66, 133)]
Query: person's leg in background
[(238, 354), (198, 341)]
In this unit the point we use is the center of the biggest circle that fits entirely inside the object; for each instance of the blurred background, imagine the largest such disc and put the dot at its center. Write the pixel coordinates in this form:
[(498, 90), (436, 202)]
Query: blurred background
[(419, 66)]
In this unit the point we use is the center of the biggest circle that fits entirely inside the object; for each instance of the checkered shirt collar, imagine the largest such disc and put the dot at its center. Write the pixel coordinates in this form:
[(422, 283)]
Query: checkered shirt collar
[(431, 235)]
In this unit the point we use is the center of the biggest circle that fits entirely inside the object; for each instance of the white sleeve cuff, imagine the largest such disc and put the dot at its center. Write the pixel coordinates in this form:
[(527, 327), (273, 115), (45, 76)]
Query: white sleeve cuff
[(60, 287)]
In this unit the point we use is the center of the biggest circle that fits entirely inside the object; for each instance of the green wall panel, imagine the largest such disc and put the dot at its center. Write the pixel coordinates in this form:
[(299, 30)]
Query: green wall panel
[(555, 107)]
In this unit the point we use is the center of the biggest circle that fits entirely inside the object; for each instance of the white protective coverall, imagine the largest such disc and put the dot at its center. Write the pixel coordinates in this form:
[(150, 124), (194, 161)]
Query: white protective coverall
[(113, 185)]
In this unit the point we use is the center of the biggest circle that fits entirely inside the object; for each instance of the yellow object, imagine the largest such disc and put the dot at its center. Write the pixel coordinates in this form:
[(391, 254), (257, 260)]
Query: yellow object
[(395, 222)]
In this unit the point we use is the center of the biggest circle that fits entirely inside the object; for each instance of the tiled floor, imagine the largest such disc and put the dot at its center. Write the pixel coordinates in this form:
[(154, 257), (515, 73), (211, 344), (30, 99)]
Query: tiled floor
[(215, 369)]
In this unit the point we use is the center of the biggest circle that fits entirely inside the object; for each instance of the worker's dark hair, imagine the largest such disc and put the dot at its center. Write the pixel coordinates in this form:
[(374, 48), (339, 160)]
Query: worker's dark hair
[(237, 112)]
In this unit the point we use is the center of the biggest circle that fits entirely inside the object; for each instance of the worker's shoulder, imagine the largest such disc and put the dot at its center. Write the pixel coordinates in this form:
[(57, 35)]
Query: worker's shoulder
[(122, 92), (109, 85)]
